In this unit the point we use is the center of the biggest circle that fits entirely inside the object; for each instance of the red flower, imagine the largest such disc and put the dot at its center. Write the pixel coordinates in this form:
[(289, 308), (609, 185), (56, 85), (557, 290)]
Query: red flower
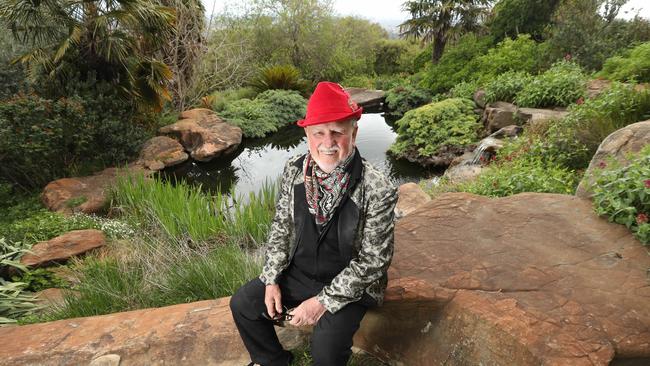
[(647, 183), (641, 218), (580, 100), (567, 57), (602, 165)]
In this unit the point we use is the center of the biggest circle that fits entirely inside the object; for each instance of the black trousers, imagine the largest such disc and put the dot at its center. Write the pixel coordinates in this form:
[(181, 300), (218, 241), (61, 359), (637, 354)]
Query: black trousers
[(331, 340)]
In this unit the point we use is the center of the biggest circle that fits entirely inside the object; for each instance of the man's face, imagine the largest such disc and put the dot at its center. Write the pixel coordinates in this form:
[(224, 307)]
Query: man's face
[(330, 143)]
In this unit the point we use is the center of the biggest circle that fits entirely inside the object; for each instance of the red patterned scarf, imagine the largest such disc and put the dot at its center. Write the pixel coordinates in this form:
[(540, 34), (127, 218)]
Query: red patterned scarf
[(324, 191)]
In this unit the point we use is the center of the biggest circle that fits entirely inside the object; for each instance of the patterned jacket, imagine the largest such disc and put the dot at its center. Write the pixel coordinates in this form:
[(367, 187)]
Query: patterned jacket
[(371, 249)]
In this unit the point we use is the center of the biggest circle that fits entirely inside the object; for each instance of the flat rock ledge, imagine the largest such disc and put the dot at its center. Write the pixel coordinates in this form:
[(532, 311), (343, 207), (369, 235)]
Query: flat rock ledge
[(531, 279), (199, 333), (86, 194), (367, 98), (63, 247)]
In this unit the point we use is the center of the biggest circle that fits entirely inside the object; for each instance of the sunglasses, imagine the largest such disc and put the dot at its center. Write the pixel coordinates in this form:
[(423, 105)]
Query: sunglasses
[(280, 318)]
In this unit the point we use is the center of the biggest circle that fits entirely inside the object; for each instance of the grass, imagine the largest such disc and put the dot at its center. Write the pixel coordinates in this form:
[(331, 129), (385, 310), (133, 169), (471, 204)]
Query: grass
[(180, 210), (302, 357)]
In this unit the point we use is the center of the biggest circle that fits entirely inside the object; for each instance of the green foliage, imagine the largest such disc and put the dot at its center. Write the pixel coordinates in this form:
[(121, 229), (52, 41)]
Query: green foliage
[(393, 56), (219, 100), (268, 112), (512, 17), (427, 128), (590, 32), (622, 193), (524, 174), (506, 86), (574, 140), (359, 81), (115, 39), (14, 301), (43, 139), (521, 54), (464, 90), (39, 279), (279, 77), (456, 65), (634, 65), (563, 84), (181, 211), (284, 107), (402, 99)]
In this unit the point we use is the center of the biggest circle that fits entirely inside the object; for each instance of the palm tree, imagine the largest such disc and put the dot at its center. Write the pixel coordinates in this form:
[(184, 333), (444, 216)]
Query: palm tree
[(438, 21), (116, 39)]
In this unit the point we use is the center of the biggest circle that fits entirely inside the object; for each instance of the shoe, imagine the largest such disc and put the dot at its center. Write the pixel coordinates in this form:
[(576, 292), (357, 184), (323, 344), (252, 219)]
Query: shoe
[(289, 361)]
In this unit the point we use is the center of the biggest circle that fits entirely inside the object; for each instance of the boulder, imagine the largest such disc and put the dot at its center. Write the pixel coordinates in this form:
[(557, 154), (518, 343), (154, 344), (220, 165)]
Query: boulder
[(532, 116), (498, 115), (628, 140), (366, 98), (205, 138), (160, 152), (86, 194), (479, 98), (463, 172), (530, 279), (508, 131), (597, 86), (196, 113), (49, 298), (63, 247), (199, 333), (411, 196)]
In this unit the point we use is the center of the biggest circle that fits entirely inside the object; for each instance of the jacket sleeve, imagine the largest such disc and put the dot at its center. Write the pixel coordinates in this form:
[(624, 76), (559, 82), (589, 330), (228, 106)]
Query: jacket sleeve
[(277, 243), (374, 256)]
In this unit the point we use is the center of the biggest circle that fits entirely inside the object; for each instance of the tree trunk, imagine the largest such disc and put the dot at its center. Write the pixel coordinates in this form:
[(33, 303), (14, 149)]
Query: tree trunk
[(438, 48)]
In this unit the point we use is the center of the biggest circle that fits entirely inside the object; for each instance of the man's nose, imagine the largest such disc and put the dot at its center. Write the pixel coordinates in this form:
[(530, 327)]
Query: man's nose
[(329, 140)]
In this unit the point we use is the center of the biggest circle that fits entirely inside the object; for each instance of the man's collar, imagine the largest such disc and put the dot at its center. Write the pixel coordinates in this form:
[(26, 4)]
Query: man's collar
[(356, 166)]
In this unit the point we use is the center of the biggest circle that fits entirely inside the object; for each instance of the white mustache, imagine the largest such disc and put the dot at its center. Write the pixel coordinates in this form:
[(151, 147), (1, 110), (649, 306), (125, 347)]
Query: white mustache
[(328, 151)]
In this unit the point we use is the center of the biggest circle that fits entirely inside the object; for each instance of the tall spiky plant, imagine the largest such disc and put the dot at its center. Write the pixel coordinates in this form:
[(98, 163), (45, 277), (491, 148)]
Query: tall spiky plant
[(116, 39)]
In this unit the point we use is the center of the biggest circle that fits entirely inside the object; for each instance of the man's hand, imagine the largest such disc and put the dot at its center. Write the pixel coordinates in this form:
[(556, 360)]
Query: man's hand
[(307, 313), (273, 300)]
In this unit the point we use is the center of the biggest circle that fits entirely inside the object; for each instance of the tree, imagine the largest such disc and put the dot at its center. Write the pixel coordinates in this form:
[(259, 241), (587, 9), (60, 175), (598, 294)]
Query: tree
[(439, 21), (513, 17), (116, 40), (184, 50)]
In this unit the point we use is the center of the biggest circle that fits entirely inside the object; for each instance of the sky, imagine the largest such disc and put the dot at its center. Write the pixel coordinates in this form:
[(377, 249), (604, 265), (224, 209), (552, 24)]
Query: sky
[(388, 12)]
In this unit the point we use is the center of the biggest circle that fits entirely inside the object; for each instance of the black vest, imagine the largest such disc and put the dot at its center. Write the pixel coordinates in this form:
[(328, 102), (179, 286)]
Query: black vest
[(321, 254)]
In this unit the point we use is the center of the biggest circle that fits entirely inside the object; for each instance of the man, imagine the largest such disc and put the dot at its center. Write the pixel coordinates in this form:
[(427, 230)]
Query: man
[(330, 243)]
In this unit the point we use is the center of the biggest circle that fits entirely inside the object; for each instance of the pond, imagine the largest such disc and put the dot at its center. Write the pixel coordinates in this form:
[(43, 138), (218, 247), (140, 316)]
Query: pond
[(257, 161)]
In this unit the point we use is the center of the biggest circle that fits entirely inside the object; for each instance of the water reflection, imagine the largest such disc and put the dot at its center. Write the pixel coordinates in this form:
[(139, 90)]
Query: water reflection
[(259, 160)]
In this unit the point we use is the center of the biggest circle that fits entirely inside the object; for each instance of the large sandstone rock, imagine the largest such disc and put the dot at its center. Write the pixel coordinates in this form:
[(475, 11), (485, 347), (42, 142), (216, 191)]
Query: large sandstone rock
[(411, 196), (463, 172), (63, 247), (627, 140), (531, 279), (366, 98), (86, 194), (161, 152), (205, 137), (199, 333), (534, 116), (498, 115)]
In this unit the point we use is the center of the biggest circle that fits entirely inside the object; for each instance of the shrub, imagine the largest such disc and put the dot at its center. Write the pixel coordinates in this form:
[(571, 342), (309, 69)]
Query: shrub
[(464, 90), (279, 77), (457, 64), (633, 65), (521, 54), (525, 174), (359, 81), (218, 101), (266, 113), (426, 129), (284, 106), (402, 99), (14, 301), (563, 84), (506, 86), (575, 139), (622, 193), (43, 139)]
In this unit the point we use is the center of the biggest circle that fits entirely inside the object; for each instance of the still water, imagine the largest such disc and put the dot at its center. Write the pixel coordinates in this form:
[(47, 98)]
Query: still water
[(260, 160)]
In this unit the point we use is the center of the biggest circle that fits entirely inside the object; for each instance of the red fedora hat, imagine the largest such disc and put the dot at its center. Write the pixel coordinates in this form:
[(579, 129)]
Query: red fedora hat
[(329, 103)]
